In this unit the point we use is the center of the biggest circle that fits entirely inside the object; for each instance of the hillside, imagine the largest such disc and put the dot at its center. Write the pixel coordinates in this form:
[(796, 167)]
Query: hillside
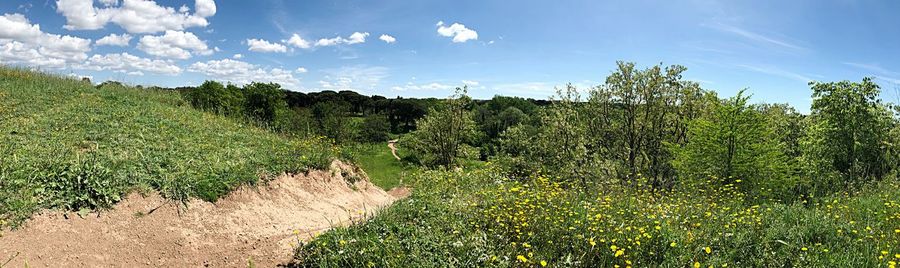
[(66, 144)]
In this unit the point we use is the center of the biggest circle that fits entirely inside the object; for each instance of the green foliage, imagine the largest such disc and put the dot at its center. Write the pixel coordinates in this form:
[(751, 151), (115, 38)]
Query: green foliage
[(264, 101), (734, 144), (213, 96), (442, 133), (847, 135), (80, 184), (476, 218), (331, 120), (375, 128)]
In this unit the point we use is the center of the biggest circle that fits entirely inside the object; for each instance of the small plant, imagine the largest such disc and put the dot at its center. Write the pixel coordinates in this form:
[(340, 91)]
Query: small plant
[(83, 183)]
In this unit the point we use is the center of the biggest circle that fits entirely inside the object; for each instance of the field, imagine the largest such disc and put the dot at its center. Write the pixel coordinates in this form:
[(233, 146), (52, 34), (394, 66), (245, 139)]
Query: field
[(383, 169), (477, 218), (66, 144), (509, 190)]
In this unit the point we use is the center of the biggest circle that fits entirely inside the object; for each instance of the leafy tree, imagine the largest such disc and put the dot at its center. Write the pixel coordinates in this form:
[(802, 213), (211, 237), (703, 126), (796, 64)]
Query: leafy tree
[(375, 128), (848, 132), (561, 144), (443, 131), (786, 124), (636, 113), (215, 97), (733, 144), (332, 120), (264, 101)]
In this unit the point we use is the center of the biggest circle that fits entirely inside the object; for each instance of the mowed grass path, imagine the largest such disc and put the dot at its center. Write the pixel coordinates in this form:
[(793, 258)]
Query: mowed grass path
[(67, 144), (383, 169)]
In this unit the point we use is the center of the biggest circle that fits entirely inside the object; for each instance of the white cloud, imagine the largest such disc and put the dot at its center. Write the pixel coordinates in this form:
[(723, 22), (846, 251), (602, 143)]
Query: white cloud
[(241, 73), (329, 41), (115, 40), (387, 38), (418, 87), (205, 8), (24, 43), (174, 44), (237, 56), (458, 31), (135, 16), (129, 64), (470, 83), (355, 78), (260, 45), (301, 70), (298, 41), (355, 38)]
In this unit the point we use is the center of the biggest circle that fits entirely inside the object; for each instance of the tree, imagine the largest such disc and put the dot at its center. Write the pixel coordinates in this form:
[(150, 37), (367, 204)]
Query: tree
[(636, 113), (443, 131), (375, 128), (208, 96), (734, 143), (561, 144), (848, 130), (332, 119), (264, 101)]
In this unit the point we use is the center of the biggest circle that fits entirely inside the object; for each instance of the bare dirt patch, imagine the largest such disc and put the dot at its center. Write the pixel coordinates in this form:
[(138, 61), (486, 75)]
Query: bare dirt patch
[(253, 224), (393, 145)]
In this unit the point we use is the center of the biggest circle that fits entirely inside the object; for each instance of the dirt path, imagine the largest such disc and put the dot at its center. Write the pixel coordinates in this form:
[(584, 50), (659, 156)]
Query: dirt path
[(259, 225), (393, 148)]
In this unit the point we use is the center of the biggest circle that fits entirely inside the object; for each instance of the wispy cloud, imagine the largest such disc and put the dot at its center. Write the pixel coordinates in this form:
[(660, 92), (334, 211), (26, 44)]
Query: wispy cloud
[(358, 78), (878, 72), (756, 37), (874, 68), (777, 72)]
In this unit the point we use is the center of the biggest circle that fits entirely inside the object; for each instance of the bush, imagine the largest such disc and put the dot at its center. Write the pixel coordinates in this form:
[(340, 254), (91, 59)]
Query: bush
[(847, 134), (264, 101), (375, 128), (81, 184), (734, 144), (443, 131)]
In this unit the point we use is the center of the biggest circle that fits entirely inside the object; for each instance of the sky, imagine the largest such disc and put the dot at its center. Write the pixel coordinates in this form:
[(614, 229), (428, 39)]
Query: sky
[(427, 48)]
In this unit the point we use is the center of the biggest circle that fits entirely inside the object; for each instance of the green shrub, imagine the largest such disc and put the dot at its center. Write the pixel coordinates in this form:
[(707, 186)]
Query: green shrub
[(83, 183)]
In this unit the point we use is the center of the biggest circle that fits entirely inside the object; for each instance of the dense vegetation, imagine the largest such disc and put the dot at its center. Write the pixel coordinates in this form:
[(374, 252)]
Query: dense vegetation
[(66, 144), (646, 169)]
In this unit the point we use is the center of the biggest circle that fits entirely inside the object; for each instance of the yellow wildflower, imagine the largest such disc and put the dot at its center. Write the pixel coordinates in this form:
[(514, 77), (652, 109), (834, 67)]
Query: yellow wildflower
[(708, 250), (521, 258), (543, 263)]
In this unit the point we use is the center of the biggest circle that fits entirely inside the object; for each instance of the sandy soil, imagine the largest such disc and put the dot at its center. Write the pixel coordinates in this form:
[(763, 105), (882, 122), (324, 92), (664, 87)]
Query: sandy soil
[(253, 224)]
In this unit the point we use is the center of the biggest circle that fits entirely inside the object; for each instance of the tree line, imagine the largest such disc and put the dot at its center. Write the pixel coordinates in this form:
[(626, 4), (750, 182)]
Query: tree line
[(652, 128), (343, 116)]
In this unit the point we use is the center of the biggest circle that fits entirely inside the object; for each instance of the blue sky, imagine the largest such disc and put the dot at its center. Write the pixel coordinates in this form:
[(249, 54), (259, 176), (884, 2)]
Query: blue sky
[(522, 48)]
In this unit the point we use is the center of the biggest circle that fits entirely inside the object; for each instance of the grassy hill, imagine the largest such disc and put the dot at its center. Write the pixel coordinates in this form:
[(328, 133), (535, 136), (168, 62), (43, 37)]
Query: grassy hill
[(66, 144)]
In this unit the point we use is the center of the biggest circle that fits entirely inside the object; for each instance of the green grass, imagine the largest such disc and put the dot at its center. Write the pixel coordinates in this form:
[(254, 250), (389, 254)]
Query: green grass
[(383, 169), (477, 218), (65, 144)]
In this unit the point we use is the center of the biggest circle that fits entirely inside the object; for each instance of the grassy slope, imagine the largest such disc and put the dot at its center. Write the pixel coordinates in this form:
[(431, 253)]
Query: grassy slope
[(383, 169), (479, 219), (64, 143)]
